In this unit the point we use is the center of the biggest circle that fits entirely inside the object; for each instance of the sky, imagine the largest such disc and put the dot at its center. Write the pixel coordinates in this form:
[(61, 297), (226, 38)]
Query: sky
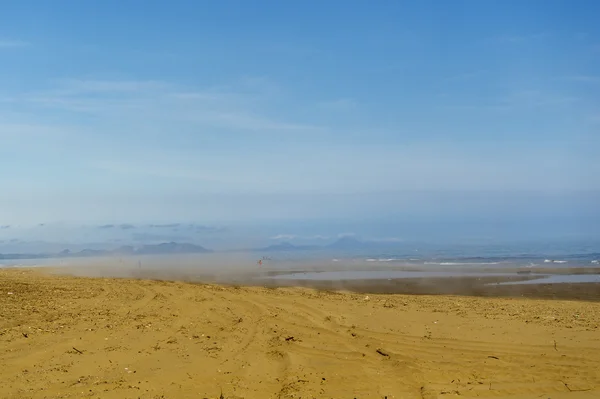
[(246, 112)]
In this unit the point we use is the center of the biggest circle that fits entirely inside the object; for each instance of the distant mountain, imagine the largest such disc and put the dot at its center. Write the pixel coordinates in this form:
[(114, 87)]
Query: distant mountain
[(157, 249), (90, 252), (171, 248), (286, 246), (343, 244), (124, 250), (348, 243), (22, 256)]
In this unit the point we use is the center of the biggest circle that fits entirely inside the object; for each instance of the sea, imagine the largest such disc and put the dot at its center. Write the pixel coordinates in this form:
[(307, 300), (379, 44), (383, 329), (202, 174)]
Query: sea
[(408, 261)]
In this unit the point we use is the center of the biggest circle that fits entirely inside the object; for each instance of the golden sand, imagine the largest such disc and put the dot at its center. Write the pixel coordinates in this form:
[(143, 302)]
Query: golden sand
[(67, 337)]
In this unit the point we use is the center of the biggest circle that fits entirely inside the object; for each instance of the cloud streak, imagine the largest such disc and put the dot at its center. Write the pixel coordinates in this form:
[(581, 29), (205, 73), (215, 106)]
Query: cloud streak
[(285, 237), (509, 38), (584, 78), (163, 103), (341, 104), (8, 44), (294, 237), (81, 86), (165, 226), (519, 100)]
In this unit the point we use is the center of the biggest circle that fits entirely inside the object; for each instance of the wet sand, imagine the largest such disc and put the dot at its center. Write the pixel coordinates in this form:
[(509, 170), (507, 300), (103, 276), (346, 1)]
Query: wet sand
[(74, 337), (464, 286)]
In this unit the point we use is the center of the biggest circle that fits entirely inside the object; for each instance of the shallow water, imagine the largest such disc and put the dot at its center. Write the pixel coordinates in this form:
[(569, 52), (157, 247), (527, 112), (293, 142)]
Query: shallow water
[(558, 279), (244, 267), (382, 275)]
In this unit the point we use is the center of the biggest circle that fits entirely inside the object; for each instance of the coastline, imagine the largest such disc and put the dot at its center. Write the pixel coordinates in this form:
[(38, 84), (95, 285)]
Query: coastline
[(490, 282)]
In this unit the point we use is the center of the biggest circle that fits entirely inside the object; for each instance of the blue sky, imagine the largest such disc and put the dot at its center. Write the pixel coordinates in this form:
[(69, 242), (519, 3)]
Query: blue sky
[(223, 112)]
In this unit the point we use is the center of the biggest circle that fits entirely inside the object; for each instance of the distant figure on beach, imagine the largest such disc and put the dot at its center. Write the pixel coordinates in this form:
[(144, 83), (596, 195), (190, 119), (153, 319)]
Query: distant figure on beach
[(259, 262)]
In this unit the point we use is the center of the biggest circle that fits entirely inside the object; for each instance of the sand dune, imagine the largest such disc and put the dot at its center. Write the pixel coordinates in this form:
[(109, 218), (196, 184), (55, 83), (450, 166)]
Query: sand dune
[(67, 337)]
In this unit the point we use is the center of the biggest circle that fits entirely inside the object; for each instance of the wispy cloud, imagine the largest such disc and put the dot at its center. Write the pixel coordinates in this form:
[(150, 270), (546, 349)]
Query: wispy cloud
[(30, 131), (467, 75), (283, 237), (159, 102), (388, 239), (340, 104), (519, 100), (186, 170), (5, 43), (510, 38), (165, 226), (249, 121), (319, 237), (149, 237), (538, 98), (79, 86), (124, 226), (584, 78), (290, 237)]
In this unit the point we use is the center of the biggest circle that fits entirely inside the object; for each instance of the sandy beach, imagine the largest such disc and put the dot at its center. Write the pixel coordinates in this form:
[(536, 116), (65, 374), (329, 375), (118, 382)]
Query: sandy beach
[(74, 337)]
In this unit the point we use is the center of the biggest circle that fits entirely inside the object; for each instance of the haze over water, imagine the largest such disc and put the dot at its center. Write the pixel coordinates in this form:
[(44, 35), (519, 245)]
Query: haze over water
[(431, 131)]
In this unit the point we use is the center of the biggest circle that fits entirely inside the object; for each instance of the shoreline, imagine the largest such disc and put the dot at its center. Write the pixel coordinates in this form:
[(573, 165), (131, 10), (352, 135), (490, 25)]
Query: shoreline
[(479, 286), (468, 287)]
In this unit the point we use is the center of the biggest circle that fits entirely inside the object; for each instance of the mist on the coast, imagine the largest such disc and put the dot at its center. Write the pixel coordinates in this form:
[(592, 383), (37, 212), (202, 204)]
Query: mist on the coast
[(277, 137)]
